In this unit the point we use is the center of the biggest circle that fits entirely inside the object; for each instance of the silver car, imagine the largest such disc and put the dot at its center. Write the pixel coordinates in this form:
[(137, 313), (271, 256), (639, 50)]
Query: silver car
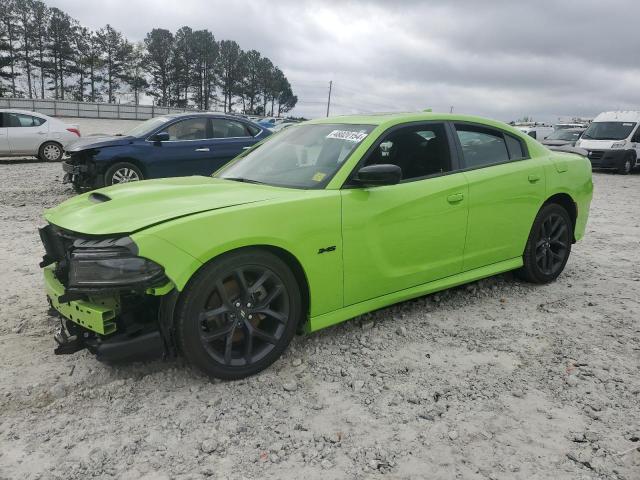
[(25, 133)]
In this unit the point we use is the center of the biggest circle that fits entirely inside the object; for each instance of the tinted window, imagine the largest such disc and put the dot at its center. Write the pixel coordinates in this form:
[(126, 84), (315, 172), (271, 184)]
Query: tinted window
[(532, 134), (419, 151), (190, 129), (21, 120), (223, 128), (481, 146), (514, 146)]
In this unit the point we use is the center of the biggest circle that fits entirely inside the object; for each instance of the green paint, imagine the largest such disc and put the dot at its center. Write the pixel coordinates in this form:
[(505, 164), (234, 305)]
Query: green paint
[(392, 242)]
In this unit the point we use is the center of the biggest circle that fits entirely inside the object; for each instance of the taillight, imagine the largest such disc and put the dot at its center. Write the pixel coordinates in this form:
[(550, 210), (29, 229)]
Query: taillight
[(74, 130)]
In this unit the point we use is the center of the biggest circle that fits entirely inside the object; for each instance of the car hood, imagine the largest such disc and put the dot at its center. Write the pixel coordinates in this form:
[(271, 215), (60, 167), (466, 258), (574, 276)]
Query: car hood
[(127, 208), (87, 143), (557, 143)]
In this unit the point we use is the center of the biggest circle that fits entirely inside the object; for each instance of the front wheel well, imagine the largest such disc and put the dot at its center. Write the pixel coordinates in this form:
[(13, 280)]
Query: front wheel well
[(290, 260), (566, 202), (132, 161)]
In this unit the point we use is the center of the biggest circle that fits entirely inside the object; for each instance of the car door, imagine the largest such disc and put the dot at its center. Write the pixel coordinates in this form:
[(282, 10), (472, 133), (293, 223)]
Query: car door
[(399, 236), (187, 151), (231, 137), (4, 136), (26, 133), (506, 189)]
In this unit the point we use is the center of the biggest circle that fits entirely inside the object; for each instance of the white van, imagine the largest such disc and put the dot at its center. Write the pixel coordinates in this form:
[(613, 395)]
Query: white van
[(613, 141), (539, 131)]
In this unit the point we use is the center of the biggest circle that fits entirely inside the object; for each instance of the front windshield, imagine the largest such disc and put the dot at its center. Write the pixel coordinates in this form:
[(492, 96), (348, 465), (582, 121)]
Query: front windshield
[(569, 135), (147, 126), (304, 156), (609, 130)]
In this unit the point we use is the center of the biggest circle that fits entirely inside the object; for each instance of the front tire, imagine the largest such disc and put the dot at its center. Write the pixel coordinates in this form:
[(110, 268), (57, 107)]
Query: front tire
[(549, 245), (50, 152), (122, 172), (238, 314), (627, 165)]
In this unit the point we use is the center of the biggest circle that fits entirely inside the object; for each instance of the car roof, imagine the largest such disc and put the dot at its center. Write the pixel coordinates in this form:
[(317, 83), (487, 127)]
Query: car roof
[(204, 114), (619, 116), (395, 118), (24, 112)]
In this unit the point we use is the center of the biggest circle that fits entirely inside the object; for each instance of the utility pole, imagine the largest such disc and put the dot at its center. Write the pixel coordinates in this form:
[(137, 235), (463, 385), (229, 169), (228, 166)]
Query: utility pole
[(329, 99), (451, 109)]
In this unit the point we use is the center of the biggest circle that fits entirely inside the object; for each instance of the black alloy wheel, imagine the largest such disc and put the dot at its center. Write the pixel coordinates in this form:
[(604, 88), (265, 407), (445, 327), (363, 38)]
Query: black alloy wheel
[(548, 246), (551, 246), (239, 314)]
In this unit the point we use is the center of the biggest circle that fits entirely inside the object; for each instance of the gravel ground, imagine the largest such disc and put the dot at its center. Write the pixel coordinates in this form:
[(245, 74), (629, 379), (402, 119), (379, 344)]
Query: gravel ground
[(494, 380)]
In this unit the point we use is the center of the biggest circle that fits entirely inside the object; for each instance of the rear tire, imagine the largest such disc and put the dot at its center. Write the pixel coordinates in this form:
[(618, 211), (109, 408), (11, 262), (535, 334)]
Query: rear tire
[(50, 152), (122, 172), (549, 245), (238, 314)]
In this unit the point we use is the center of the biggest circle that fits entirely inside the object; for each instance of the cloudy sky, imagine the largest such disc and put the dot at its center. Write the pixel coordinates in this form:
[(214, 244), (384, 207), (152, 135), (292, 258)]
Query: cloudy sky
[(499, 58)]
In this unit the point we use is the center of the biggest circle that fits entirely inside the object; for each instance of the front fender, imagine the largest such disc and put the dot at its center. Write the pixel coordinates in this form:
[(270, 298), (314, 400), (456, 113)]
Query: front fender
[(304, 227)]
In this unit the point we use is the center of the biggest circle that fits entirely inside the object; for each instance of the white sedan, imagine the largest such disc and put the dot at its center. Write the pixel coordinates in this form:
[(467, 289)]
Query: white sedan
[(24, 133)]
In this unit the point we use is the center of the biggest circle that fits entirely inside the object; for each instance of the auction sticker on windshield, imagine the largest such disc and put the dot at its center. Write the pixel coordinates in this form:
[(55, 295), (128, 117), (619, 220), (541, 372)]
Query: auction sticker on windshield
[(348, 135)]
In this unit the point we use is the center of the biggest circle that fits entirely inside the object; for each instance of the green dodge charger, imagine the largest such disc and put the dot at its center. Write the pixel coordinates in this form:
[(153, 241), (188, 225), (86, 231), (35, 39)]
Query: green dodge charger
[(320, 223)]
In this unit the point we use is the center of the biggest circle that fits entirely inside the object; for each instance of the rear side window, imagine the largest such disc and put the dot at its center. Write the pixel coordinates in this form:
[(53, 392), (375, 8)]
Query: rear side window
[(516, 152), (223, 128), (22, 120), (532, 134), (481, 146)]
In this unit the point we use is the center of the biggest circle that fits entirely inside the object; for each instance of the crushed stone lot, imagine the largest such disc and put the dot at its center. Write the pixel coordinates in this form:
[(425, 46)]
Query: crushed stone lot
[(494, 380)]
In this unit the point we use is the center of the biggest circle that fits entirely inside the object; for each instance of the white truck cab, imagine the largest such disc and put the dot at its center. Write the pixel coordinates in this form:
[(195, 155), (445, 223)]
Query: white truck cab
[(539, 131), (613, 141)]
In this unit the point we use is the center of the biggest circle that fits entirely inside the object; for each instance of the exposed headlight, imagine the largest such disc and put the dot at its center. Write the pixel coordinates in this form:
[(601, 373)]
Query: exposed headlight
[(92, 268), (615, 145)]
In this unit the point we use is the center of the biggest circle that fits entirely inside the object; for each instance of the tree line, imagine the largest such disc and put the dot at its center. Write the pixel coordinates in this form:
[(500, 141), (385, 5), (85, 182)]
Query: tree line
[(45, 53)]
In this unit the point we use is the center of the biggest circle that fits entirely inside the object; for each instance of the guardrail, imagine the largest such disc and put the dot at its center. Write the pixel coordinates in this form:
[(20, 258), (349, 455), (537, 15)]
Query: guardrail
[(70, 108)]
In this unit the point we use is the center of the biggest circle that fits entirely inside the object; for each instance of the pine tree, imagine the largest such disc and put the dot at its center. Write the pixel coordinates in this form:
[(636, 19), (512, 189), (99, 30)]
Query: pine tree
[(159, 45), (229, 66), (135, 76), (41, 17), (117, 51), (9, 42)]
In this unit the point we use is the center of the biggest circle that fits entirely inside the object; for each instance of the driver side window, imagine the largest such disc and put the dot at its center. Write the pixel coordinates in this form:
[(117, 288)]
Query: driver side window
[(420, 151), (190, 129)]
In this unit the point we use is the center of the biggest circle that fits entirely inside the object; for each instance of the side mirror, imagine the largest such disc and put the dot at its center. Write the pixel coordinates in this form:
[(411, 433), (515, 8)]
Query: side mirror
[(377, 175), (160, 137)]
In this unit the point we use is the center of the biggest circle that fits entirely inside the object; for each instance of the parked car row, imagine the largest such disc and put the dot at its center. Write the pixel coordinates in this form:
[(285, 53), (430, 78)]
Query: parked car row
[(611, 140)]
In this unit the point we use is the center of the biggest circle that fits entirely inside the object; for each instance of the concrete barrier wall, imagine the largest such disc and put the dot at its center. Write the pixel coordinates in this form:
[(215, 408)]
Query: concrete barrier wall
[(67, 108)]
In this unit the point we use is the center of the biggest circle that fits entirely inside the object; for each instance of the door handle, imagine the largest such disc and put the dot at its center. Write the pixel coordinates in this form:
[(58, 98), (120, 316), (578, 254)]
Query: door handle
[(246, 148), (205, 149), (455, 198), (533, 178)]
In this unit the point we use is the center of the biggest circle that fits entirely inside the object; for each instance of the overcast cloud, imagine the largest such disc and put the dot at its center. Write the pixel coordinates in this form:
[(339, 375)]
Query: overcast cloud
[(497, 58)]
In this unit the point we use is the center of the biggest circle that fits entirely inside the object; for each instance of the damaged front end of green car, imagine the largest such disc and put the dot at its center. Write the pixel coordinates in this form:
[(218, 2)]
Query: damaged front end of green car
[(110, 300)]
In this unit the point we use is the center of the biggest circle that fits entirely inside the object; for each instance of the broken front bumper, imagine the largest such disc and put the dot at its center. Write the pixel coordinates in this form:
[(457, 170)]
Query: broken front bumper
[(97, 315), (93, 324)]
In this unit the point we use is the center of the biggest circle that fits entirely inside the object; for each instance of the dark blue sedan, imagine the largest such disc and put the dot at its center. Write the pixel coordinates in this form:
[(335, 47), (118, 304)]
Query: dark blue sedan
[(167, 146)]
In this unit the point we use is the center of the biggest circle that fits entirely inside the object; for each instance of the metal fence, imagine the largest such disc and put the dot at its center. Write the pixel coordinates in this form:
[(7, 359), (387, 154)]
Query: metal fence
[(69, 108)]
